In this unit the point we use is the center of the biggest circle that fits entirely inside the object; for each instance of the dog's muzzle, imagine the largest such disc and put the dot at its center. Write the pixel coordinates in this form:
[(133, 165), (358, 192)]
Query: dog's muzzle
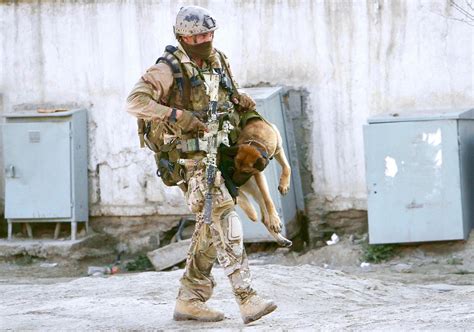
[(240, 178)]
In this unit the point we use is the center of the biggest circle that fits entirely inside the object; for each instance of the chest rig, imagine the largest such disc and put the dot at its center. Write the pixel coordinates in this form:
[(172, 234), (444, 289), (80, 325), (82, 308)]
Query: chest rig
[(191, 92), (197, 90)]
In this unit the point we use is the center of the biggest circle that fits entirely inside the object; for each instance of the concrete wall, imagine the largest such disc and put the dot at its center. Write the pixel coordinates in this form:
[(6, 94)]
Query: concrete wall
[(353, 58)]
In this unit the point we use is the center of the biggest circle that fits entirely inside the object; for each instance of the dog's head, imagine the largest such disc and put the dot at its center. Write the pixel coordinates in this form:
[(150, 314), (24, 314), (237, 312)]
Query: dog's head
[(248, 161)]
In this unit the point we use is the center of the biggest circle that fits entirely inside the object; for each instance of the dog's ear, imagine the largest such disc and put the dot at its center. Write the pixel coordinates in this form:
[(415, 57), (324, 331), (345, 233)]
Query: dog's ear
[(260, 164), (230, 151)]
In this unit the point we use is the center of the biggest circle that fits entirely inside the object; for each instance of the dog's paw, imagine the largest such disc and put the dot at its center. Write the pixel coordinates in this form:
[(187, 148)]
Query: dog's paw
[(283, 189), (274, 224), (284, 185)]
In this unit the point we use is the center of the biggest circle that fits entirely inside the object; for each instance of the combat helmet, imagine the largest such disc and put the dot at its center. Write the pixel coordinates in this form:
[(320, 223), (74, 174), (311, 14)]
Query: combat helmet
[(194, 20)]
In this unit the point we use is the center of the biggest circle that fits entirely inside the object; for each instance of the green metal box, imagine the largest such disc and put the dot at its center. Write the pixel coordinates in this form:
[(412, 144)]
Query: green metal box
[(45, 159), (419, 173)]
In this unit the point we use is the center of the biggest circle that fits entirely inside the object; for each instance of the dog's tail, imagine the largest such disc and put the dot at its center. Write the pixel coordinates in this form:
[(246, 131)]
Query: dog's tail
[(281, 240)]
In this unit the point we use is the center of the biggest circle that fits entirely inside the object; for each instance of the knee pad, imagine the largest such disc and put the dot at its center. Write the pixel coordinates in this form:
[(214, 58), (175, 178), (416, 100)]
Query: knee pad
[(234, 233), (234, 226)]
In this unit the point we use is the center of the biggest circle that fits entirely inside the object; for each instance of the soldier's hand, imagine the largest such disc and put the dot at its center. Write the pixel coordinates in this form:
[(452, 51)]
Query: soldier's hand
[(189, 123), (245, 102)]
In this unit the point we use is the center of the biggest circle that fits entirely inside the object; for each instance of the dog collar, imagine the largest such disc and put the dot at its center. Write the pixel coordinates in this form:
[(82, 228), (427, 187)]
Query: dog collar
[(260, 147)]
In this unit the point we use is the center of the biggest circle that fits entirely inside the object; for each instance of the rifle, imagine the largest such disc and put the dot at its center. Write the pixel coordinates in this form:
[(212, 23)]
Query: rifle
[(211, 158), (214, 138)]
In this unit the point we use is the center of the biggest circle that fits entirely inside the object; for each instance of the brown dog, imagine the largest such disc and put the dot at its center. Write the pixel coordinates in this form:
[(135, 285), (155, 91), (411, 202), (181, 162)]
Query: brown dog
[(258, 142)]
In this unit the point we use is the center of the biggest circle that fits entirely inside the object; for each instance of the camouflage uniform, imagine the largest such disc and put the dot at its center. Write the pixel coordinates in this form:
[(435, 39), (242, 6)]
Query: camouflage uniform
[(152, 97), (221, 239)]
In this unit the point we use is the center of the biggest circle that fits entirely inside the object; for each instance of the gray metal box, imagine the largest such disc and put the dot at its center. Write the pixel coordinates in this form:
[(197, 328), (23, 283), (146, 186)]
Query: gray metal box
[(45, 158), (270, 106), (419, 172)]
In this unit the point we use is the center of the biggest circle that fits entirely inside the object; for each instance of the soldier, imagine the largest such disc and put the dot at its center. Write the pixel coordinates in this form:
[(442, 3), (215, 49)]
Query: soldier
[(171, 101)]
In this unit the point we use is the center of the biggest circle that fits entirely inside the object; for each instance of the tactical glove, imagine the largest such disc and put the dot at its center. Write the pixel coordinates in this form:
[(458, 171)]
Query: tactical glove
[(189, 123), (245, 102)]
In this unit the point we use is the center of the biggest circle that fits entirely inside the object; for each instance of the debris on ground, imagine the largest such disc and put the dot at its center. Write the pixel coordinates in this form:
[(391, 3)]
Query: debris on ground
[(170, 255), (96, 271), (334, 240)]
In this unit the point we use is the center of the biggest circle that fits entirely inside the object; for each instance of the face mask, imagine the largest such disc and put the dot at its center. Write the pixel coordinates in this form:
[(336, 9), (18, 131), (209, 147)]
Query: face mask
[(199, 51)]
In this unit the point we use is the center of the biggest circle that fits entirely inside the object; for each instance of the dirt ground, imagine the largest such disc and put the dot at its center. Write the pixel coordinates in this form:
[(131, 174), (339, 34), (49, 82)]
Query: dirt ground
[(424, 287)]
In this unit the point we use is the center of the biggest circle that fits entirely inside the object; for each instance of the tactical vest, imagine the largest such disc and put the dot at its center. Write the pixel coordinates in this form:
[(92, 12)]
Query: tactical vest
[(188, 92)]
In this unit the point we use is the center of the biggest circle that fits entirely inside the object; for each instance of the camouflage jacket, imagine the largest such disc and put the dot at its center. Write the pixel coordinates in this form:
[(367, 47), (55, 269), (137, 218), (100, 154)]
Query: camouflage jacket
[(159, 90)]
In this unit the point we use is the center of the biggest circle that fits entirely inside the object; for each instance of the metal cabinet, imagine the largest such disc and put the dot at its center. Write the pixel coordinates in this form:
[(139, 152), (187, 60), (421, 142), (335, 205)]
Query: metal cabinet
[(270, 106), (45, 159), (420, 172)]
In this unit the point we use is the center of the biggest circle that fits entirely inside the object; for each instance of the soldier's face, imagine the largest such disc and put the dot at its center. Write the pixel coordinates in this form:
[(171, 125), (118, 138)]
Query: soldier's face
[(199, 39)]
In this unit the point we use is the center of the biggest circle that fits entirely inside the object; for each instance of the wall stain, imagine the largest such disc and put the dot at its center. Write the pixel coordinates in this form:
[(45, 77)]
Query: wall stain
[(326, 65)]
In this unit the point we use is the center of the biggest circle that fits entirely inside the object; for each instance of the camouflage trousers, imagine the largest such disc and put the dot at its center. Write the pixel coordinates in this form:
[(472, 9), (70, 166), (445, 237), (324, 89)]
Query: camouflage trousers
[(222, 239)]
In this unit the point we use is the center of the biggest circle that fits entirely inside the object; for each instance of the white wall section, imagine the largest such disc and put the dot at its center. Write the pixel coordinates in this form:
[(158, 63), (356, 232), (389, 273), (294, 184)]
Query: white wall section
[(354, 58)]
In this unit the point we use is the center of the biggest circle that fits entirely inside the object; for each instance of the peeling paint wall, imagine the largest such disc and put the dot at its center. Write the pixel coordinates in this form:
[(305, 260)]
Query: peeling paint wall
[(354, 58)]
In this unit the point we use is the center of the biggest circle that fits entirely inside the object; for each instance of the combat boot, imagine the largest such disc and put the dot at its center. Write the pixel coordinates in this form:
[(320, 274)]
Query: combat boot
[(254, 307), (196, 310)]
